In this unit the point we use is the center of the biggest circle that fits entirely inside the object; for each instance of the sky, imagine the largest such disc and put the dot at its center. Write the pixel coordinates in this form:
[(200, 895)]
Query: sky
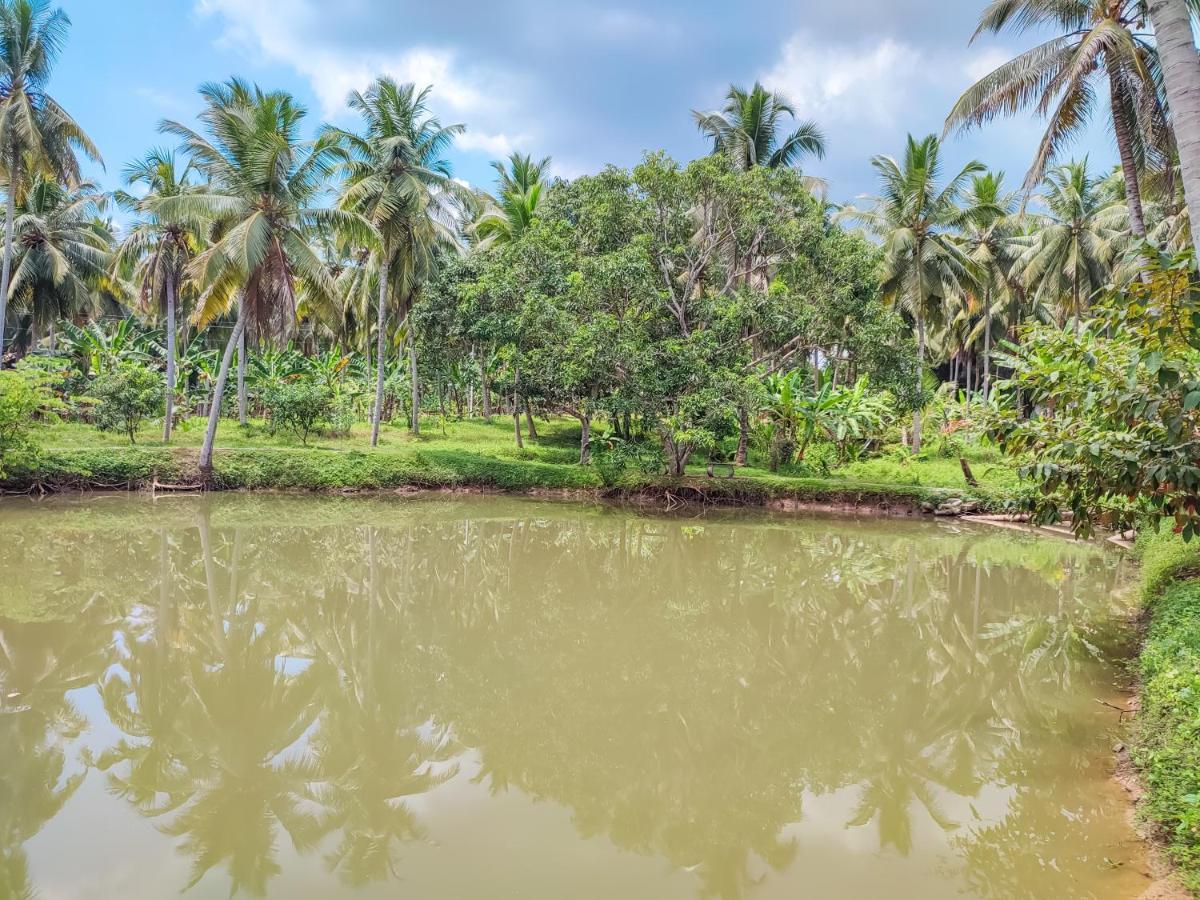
[(586, 83)]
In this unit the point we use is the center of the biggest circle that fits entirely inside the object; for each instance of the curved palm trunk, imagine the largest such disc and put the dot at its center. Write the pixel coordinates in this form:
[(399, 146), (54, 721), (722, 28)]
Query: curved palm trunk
[(169, 418), (1124, 133), (380, 348), (1181, 73), (6, 274), (214, 411)]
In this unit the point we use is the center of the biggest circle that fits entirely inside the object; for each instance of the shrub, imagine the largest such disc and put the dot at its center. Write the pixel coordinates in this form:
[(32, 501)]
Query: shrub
[(300, 405), (127, 394), (25, 395)]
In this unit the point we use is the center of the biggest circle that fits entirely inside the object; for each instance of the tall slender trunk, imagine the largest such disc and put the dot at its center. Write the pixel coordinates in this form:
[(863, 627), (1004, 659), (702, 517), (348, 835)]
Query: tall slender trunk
[(516, 411), (169, 418), (1181, 74), (6, 274), (970, 360), (987, 344), (214, 410), (916, 426), (1123, 129), (416, 384), (486, 387), (380, 347), (241, 378)]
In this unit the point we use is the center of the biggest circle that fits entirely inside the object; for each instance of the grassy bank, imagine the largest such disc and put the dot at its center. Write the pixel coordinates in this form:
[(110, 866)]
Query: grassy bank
[(1168, 749), (474, 454)]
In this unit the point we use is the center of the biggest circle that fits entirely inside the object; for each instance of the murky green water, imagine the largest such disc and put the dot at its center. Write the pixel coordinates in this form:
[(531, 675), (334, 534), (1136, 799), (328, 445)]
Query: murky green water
[(492, 698)]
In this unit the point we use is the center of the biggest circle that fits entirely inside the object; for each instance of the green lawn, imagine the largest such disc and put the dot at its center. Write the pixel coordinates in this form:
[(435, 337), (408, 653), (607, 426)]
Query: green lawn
[(449, 453)]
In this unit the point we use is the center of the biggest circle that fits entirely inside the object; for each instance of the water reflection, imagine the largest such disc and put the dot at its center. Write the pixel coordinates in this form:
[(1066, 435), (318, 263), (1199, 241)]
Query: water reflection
[(290, 679)]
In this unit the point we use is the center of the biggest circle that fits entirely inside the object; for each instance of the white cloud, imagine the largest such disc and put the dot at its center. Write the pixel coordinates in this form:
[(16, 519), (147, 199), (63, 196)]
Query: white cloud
[(289, 32), (985, 61)]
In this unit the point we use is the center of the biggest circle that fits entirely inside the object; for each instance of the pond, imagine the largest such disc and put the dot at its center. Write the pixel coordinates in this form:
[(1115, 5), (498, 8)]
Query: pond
[(483, 697)]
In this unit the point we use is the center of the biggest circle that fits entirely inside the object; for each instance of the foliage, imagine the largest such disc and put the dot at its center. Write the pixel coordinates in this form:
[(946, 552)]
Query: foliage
[(126, 395), (1115, 404), (1168, 747), (300, 404), (25, 397)]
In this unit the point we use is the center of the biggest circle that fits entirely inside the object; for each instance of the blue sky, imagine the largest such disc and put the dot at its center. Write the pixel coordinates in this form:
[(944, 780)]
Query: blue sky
[(584, 82)]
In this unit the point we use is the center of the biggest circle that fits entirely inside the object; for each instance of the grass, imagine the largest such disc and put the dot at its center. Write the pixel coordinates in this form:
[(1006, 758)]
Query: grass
[(465, 453), (1168, 749)]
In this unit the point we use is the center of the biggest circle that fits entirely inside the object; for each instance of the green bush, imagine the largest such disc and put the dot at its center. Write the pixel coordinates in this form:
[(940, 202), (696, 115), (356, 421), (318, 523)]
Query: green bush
[(127, 394), (25, 395), (300, 404)]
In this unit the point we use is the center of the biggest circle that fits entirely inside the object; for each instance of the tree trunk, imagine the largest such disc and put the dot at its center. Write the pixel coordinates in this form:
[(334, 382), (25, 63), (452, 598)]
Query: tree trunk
[(214, 409), (169, 418), (987, 344), (6, 273), (1181, 74), (416, 384), (585, 439), (739, 458), (1123, 129), (533, 435), (241, 378), (380, 349), (916, 426), (970, 359), (486, 387), (516, 411)]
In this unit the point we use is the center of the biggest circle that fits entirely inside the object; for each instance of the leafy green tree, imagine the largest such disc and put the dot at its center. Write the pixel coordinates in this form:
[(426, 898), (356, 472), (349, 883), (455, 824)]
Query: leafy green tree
[(25, 397), (300, 404), (127, 394), (36, 134), (1118, 400), (916, 216), (158, 251)]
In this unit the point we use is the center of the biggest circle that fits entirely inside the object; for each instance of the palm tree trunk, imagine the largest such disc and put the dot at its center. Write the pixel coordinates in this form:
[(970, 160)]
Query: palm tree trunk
[(1181, 74), (1122, 127), (380, 346), (916, 432), (585, 439), (416, 384), (214, 410), (169, 418), (987, 343), (241, 378), (6, 273)]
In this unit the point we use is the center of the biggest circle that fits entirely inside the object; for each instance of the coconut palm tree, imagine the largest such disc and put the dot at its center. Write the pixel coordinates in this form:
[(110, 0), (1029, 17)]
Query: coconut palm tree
[(916, 216), (520, 183), (398, 180), (1071, 253), (749, 128), (62, 251), (159, 250), (263, 184), (988, 238), (36, 133), (1172, 21), (1096, 47)]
